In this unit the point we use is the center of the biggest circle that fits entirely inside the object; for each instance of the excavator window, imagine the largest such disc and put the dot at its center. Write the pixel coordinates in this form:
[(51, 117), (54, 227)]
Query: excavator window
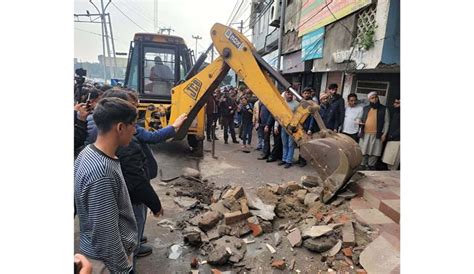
[(159, 70)]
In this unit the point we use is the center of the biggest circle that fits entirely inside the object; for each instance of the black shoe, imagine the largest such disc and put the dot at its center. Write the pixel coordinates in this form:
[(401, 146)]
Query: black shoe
[(281, 163), (235, 142), (288, 165), (215, 138), (144, 251), (143, 240), (263, 157), (208, 139), (302, 164), (225, 142), (270, 159)]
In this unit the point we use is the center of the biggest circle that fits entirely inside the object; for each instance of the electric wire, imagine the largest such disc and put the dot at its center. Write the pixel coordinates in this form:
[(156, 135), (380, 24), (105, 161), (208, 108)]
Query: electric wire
[(131, 20)]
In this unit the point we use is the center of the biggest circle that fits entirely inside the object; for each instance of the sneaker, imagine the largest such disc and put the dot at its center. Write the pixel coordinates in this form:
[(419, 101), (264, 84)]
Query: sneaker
[(281, 163), (144, 251), (288, 165)]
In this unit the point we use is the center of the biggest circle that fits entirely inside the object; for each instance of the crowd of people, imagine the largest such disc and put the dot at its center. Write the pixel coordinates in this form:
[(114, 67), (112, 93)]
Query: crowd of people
[(372, 125), (114, 164)]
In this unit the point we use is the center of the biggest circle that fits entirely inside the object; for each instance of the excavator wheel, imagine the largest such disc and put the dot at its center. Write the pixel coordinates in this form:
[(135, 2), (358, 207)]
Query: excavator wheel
[(334, 157)]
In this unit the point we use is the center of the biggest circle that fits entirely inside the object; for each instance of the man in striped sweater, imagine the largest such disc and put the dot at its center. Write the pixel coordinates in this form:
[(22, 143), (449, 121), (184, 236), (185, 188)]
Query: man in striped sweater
[(108, 229)]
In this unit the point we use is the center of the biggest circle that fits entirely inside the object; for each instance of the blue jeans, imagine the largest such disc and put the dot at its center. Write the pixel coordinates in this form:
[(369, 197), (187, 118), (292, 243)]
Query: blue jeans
[(260, 137), (288, 147), (247, 133), (139, 210)]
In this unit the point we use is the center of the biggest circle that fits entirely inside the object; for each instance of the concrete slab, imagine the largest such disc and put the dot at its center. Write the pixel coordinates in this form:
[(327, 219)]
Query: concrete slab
[(380, 257), (372, 216)]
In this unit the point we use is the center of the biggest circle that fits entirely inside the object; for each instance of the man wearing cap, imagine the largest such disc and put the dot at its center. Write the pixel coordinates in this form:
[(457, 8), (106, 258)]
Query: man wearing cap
[(336, 111), (374, 122)]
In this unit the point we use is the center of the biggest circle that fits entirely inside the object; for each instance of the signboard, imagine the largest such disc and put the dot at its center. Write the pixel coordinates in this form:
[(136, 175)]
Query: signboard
[(312, 45), (292, 63), (272, 59), (319, 13)]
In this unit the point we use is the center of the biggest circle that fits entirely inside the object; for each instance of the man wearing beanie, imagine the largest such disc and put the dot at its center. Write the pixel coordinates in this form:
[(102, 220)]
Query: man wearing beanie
[(374, 128)]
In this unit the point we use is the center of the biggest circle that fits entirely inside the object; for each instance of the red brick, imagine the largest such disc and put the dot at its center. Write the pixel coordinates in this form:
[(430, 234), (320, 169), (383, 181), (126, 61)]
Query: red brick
[(254, 225), (215, 271), (279, 264), (343, 219), (347, 251)]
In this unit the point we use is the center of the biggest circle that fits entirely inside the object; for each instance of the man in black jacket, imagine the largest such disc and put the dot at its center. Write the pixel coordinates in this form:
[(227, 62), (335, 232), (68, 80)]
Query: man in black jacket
[(228, 107), (391, 155), (336, 109), (80, 126)]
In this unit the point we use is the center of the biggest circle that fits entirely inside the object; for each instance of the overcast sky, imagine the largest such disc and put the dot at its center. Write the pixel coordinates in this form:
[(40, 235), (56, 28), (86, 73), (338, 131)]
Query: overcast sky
[(186, 17)]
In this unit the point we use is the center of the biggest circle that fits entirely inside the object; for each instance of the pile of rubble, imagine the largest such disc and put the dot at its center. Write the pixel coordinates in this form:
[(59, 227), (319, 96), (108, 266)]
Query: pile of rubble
[(284, 219)]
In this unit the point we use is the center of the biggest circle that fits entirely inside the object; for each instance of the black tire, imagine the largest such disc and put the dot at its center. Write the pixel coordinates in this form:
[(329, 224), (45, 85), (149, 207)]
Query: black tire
[(196, 145)]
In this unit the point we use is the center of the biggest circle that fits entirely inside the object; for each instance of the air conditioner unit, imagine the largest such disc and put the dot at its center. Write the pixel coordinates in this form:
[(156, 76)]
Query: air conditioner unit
[(275, 14)]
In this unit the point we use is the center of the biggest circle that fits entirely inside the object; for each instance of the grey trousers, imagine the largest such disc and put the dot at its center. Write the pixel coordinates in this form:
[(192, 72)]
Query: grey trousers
[(369, 160)]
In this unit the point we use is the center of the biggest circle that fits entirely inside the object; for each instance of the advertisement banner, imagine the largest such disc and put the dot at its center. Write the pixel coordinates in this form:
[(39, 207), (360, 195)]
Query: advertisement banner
[(319, 13), (312, 45)]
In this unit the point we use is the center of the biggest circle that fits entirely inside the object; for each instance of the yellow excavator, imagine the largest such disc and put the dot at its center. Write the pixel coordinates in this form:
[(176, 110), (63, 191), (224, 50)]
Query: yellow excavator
[(334, 156)]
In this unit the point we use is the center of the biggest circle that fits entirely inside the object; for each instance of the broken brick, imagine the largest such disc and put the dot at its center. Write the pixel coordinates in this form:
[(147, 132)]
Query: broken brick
[(234, 217), (343, 219), (194, 263), (216, 195), (319, 216), (215, 271), (347, 251), (236, 192), (245, 208), (254, 226), (279, 264)]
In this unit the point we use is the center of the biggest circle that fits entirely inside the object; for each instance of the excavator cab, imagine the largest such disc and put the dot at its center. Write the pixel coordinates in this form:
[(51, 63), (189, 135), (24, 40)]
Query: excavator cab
[(157, 63)]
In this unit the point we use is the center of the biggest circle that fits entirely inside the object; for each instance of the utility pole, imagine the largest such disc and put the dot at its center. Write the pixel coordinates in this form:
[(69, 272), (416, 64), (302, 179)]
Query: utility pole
[(282, 31), (197, 37), (155, 16), (241, 25), (104, 17)]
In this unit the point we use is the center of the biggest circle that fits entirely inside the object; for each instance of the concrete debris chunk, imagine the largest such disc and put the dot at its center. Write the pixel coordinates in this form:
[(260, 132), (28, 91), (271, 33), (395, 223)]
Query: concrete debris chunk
[(294, 238), (231, 203), (191, 173), (213, 234), (278, 263), (209, 220), (348, 236), (219, 207), (267, 226), (192, 235), (277, 238), (224, 230), (291, 186), (338, 201), (316, 231), (292, 264), (320, 244), (216, 195), (310, 181), (218, 256), (334, 250), (258, 208), (186, 202), (301, 194), (237, 247), (272, 250), (310, 198), (244, 207)]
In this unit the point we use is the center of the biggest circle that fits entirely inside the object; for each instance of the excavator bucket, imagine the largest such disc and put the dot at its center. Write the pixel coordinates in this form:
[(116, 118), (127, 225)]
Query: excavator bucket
[(334, 157)]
